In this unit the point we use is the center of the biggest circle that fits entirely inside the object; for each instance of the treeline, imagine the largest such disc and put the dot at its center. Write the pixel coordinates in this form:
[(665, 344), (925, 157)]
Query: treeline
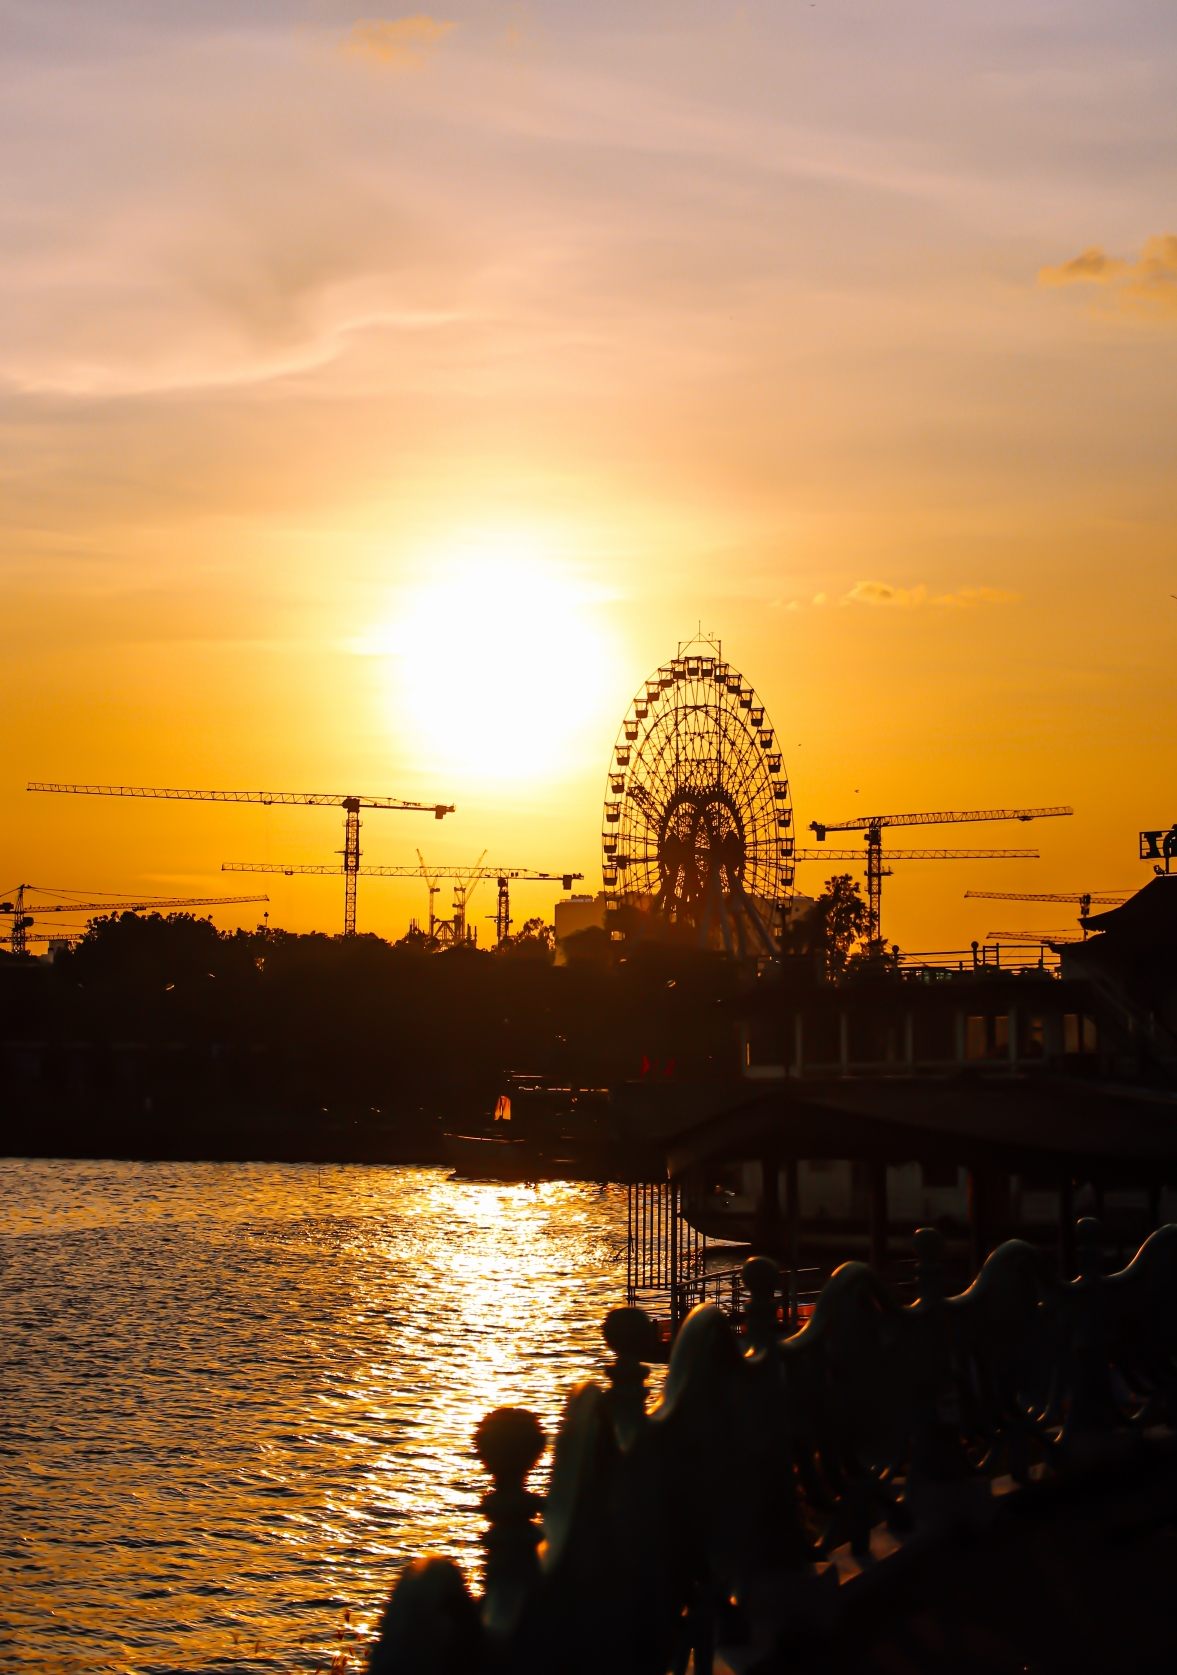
[(156, 1026)]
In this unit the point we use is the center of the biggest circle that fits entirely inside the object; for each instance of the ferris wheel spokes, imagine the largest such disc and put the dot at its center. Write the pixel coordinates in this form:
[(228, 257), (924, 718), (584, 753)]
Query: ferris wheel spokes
[(697, 827)]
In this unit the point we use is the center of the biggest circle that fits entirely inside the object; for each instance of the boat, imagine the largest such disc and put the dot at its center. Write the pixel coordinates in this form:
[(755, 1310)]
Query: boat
[(541, 1131), (488, 1157)]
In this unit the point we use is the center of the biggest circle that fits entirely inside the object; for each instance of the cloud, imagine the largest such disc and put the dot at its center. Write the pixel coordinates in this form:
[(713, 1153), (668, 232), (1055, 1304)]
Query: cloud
[(1147, 286), (882, 593), (401, 43), (1092, 266)]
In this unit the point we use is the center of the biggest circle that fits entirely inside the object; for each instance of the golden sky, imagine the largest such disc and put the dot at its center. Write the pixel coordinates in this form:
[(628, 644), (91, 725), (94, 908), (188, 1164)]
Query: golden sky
[(384, 396)]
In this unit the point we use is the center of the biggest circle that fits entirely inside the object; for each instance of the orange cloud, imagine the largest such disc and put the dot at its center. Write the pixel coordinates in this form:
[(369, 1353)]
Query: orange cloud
[(401, 43), (1092, 266), (1147, 286), (882, 593)]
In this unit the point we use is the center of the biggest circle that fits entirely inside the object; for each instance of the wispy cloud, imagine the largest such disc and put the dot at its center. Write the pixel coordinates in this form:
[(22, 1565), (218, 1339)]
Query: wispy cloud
[(402, 43), (1147, 286), (883, 593)]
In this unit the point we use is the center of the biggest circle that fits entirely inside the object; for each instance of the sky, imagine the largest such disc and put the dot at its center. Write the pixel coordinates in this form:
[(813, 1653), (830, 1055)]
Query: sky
[(384, 396)]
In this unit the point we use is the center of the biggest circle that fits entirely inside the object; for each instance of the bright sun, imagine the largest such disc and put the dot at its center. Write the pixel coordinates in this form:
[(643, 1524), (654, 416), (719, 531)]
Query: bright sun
[(498, 664)]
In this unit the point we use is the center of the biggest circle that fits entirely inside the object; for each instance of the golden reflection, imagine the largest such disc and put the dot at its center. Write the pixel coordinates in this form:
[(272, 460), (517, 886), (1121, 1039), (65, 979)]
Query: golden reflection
[(266, 1395)]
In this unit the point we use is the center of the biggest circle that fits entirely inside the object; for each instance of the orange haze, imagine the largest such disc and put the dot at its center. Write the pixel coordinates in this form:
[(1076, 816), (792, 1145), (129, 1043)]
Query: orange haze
[(384, 397)]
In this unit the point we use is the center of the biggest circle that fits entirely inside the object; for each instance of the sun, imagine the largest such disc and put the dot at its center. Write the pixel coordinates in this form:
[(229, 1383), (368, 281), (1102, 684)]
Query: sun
[(499, 663)]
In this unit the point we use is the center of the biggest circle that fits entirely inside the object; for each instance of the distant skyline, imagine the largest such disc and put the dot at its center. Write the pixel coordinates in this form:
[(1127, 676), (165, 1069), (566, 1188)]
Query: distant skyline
[(384, 396)]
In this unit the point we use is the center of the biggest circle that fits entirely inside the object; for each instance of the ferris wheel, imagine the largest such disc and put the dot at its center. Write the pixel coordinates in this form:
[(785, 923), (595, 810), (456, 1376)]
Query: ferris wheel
[(698, 819)]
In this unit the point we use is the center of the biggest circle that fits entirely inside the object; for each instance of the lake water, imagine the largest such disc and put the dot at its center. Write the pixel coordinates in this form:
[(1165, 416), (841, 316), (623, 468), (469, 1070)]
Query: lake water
[(234, 1397)]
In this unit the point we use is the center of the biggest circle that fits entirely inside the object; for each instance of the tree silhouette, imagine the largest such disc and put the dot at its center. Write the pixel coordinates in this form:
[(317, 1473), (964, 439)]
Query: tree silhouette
[(833, 925)]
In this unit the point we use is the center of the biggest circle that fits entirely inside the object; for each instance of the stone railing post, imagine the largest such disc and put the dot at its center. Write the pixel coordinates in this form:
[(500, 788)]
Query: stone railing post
[(633, 1338), (937, 1450), (509, 1441), (1092, 1414), (761, 1277)]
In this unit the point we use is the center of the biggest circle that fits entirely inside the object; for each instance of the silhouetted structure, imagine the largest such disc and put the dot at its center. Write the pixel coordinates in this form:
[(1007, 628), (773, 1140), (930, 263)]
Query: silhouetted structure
[(351, 806), (790, 1497), (697, 829), (160, 1036), (872, 826)]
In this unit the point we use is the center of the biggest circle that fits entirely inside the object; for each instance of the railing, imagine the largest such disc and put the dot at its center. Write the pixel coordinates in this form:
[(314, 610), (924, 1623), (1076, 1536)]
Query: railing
[(1006, 956), (794, 1299), (664, 1255), (713, 1520)]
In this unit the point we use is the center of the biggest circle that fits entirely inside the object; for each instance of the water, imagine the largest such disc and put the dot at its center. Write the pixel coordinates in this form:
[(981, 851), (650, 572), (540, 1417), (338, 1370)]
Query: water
[(234, 1397)]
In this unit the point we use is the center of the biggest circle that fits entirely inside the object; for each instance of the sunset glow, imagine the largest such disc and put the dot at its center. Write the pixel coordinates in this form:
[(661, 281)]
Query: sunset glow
[(497, 666), (505, 346)]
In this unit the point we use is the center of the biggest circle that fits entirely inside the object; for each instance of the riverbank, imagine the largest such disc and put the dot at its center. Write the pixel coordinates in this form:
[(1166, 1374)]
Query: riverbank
[(151, 1131)]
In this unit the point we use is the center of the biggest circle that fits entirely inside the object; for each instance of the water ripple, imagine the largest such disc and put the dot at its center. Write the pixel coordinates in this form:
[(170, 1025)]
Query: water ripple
[(234, 1397)]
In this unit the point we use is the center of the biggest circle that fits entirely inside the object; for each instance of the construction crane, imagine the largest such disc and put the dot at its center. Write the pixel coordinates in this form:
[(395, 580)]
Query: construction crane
[(351, 806), (1044, 937), (19, 908), (433, 885), (1084, 900), (872, 825), (465, 881), (522, 875)]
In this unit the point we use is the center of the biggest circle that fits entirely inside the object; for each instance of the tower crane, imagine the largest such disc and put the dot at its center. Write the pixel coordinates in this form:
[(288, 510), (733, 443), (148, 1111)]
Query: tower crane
[(1046, 938), (522, 875), (351, 806), (872, 825), (465, 881), (1082, 899), (433, 885), (21, 919)]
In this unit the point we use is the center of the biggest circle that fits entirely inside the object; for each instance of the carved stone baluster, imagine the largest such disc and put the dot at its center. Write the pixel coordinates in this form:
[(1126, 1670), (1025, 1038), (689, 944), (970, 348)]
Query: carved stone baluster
[(509, 1441), (1092, 1414), (430, 1625), (633, 1338), (937, 1452), (761, 1278)]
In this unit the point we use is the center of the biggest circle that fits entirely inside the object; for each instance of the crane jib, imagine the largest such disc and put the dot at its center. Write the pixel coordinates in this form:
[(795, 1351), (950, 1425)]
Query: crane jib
[(307, 799), (946, 817)]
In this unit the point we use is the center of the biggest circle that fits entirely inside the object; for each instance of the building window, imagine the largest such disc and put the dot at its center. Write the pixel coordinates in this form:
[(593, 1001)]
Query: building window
[(1090, 1039), (974, 1038), (1001, 1033), (1070, 1032)]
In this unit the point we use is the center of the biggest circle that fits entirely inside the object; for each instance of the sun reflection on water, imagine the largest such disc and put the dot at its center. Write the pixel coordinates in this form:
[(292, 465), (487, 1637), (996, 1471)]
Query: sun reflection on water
[(234, 1398)]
